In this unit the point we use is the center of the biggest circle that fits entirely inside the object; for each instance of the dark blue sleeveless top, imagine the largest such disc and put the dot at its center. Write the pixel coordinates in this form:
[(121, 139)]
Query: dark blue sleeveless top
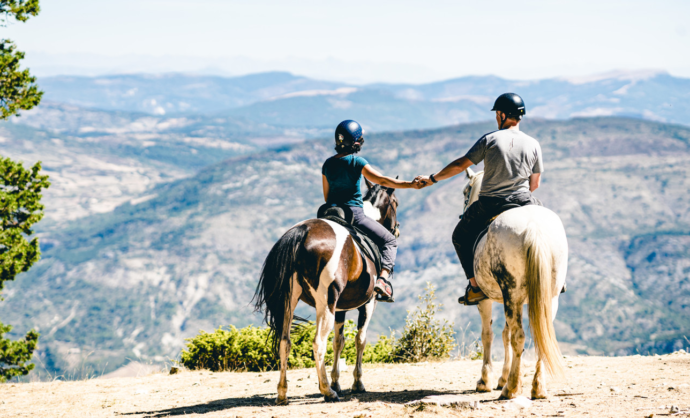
[(344, 175)]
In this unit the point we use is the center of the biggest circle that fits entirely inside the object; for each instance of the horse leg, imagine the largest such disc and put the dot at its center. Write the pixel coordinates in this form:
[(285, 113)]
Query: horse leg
[(324, 323), (484, 384), (365, 314), (285, 344), (507, 357), (513, 386), (338, 344), (538, 385)]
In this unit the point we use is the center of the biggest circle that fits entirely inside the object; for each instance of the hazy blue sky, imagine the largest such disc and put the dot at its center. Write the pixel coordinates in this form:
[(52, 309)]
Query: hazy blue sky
[(371, 40)]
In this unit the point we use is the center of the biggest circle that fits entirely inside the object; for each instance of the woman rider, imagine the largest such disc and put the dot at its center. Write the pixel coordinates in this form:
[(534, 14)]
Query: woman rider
[(341, 175)]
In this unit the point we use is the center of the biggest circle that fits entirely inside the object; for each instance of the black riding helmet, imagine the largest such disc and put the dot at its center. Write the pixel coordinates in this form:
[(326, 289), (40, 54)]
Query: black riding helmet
[(348, 136), (511, 104)]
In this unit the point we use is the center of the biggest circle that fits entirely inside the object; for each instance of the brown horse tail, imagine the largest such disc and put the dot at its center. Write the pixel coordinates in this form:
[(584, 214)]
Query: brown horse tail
[(539, 274), (272, 295)]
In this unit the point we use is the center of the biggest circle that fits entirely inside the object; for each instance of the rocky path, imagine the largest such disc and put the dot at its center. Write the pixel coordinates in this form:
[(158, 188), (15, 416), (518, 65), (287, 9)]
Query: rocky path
[(634, 386)]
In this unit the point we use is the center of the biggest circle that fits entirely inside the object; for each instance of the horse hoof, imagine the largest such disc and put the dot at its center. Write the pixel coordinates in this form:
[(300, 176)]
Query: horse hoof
[(336, 388), (501, 384), (332, 398), (506, 395), (483, 387), (358, 387), (539, 394), (281, 401)]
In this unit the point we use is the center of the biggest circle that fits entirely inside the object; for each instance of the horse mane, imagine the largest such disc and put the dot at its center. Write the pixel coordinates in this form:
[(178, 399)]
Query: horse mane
[(388, 211), (472, 189)]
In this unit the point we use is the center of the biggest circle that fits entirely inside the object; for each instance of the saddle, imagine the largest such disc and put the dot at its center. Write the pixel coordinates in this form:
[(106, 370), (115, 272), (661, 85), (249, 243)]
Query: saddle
[(343, 216)]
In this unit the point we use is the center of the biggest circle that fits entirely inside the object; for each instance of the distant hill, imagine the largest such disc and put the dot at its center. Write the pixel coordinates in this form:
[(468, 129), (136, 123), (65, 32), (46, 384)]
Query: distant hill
[(134, 282), (284, 99), (175, 93), (99, 159)]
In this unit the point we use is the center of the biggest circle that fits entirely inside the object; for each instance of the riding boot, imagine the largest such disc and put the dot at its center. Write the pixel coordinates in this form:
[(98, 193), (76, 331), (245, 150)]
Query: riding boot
[(473, 295), (384, 290)]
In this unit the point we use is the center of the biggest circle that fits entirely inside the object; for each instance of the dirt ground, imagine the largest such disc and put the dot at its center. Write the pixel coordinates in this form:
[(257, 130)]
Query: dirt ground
[(634, 386)]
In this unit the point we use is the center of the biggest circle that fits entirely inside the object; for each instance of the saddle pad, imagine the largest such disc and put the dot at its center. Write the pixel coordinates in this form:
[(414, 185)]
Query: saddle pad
[(368, 247)]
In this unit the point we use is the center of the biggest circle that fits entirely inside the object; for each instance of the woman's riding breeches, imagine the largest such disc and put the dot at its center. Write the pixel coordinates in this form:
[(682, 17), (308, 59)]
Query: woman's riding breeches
[(379, 234)]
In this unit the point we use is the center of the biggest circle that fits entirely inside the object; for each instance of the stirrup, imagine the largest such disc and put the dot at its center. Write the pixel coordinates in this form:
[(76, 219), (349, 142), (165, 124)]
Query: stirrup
[(463, 299), (384, 293)]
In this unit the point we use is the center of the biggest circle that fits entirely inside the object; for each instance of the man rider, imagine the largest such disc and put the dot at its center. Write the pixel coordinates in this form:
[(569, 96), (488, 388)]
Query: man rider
[(512, 171)]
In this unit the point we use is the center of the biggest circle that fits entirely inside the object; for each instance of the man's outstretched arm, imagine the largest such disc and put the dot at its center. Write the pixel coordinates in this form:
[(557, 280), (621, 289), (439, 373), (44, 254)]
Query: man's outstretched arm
[(451, 170)]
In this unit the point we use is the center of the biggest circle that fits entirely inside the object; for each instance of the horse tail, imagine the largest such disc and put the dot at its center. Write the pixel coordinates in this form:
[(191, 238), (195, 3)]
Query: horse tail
[(539, 274), (273, 292)]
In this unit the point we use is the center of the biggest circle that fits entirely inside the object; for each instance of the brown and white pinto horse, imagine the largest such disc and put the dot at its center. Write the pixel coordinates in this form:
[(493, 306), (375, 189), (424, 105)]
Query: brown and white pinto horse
[(318, 262)]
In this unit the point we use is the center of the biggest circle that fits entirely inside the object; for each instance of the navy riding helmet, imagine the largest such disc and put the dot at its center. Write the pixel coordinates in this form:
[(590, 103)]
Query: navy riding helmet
[(348, 133), (511, 104)]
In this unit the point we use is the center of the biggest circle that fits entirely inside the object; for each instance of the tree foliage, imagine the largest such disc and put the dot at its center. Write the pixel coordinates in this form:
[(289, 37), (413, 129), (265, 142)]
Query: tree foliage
[(18, 89), (20, 10), (14, 355), (20, 209)]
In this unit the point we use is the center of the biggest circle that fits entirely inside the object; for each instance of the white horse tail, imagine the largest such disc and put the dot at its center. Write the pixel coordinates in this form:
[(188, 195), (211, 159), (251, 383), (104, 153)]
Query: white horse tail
[(539, 274)]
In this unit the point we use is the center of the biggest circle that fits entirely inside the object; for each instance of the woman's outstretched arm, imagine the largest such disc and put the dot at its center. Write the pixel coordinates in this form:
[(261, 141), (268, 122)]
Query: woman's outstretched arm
[(375, 177)]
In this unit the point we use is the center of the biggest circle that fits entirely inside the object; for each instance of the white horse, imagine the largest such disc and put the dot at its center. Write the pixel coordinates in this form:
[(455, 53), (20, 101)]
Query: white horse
[(522, 259)]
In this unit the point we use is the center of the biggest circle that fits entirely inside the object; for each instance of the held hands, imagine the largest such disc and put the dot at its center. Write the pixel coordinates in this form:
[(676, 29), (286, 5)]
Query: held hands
[(422, 182), (416, 184)]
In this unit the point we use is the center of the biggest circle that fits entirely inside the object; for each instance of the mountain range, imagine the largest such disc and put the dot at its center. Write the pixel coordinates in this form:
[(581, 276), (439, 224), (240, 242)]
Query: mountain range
[(287, 100)]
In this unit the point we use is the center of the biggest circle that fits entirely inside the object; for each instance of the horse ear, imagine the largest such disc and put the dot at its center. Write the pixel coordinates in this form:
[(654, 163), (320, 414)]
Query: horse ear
[(390, 191), (470, 173), (370, 185)]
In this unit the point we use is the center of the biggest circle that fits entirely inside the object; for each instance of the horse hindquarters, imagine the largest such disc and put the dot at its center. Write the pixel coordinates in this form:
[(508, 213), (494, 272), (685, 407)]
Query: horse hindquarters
[(523, 259)]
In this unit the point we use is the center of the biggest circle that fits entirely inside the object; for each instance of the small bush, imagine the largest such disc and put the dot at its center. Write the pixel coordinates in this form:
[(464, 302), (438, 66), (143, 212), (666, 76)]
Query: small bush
[(233, 349), (248, 349), (424, 337)]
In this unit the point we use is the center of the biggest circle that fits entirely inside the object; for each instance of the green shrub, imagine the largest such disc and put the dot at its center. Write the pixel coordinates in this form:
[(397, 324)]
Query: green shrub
[(248, 349), (233, 349), (424, 337)]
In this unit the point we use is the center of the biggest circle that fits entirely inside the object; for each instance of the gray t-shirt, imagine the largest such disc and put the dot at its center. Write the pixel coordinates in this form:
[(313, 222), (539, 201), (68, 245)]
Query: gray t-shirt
[(510, 157)]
